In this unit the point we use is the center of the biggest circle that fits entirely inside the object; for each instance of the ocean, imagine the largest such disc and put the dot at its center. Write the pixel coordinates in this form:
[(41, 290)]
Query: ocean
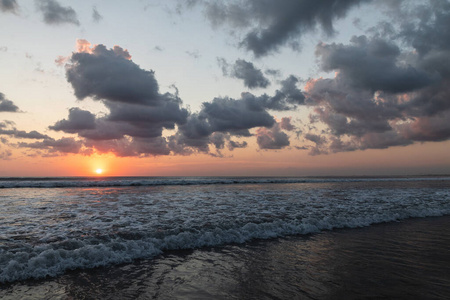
[(225, 238)]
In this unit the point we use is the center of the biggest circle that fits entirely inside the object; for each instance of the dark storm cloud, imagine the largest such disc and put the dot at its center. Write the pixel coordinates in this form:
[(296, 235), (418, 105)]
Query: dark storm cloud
[(218, 139), (165, 115), (55, 14), (9, 6), (425, 27), (194, 133), (109, 74), (78, 120), (86, 125), (224, 115), (436, 128), (136, 108), (372, 64), (272, 24), (235, 116), (96, 16), (288, 97), (104, 130), (272, 138), (384, 95), (222, 118), (138, 112), (252, 77), (7, 105), (349, 111), (241, 69)]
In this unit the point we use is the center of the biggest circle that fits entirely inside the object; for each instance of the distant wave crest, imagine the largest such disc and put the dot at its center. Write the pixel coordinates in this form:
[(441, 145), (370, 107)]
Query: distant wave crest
[(65, 182)]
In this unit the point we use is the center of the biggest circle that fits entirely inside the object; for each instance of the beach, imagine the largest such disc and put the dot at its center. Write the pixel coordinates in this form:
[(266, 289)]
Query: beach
[(396, 260)]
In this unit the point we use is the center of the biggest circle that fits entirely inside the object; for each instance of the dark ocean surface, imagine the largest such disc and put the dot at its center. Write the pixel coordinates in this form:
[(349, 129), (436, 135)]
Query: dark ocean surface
[(225, 238)]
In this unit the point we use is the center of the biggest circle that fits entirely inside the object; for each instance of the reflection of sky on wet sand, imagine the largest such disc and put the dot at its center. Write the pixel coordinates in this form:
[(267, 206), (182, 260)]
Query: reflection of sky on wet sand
[(396, 260)]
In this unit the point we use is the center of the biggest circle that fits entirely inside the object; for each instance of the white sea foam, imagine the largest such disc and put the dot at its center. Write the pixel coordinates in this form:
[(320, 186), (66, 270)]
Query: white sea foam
[(40, 262), (45, 232)]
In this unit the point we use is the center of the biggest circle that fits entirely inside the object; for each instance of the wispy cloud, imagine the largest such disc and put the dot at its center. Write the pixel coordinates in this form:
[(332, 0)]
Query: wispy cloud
[(55, 14)]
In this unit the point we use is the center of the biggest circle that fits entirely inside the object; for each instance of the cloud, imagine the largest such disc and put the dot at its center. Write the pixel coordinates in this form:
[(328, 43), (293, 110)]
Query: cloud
[(435, 128), (111, 75), (224, 115), (372, 64), (288, 97), (96, 16), (320, 144), (235, 116), (78, 120), (194, 54), (272, 72), (252, 77), (384, 95), (5, 154), (270, 25), (224, 65), (148, 120), (7, 128), (235, 144), (286, 124), (219, 140), (55, 14), (424, 27), (9, 6), (7, 105), (64, 145), (131, 147), (138, 112), (272, 138)]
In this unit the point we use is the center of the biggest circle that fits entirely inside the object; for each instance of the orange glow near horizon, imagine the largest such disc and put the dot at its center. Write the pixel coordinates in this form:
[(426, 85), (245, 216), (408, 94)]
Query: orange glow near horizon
[(426, 158)]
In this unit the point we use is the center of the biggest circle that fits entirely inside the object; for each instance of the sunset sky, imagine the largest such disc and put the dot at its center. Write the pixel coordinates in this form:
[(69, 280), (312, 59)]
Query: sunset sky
[(232, 88)]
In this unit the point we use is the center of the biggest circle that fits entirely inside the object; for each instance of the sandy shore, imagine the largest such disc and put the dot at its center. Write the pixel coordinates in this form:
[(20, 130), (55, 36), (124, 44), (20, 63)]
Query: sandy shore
[(402, 260)]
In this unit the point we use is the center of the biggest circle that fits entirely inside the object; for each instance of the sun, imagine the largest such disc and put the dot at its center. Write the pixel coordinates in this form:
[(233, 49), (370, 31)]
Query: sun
[(99, 171)]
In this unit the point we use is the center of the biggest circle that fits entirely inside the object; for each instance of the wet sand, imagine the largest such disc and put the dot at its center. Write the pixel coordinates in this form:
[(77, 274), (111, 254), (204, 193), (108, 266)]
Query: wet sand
[(402, 260)]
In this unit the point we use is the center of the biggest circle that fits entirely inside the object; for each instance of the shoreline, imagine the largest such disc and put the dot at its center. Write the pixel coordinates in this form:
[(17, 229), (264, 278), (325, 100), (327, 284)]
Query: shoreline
[(390, 259)]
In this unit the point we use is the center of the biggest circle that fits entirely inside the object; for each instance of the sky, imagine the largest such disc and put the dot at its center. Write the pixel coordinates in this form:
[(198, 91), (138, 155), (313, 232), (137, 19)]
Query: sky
[(224, 88)]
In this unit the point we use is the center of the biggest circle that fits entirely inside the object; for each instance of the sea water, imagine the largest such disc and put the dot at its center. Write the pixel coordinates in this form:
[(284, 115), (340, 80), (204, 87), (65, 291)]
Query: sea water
[(49, 226)]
